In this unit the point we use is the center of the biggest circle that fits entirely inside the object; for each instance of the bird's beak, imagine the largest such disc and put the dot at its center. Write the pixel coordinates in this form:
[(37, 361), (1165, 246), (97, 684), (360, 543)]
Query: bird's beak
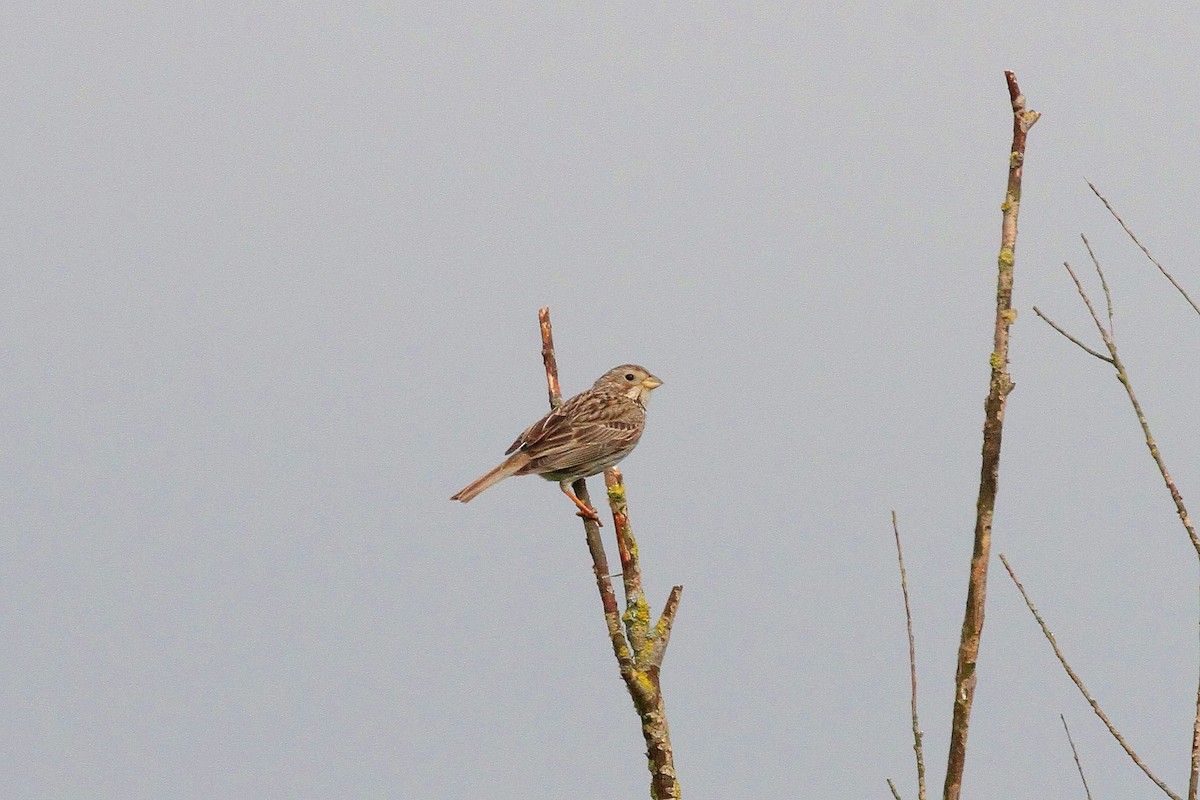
[(651, 382)]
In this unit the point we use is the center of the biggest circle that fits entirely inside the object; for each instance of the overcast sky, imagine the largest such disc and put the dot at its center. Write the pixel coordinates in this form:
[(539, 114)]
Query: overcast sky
[(271, 278)]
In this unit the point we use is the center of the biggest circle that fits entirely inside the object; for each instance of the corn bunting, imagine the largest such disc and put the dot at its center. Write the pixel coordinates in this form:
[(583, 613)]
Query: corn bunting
[(582, 437)]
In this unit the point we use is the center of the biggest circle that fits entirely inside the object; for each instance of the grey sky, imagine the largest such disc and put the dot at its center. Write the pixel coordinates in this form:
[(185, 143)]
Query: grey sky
[(270, 289)]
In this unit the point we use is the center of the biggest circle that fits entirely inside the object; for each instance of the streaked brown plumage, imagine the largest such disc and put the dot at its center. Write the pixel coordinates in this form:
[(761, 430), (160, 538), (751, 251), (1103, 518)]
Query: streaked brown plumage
[(583, 437)]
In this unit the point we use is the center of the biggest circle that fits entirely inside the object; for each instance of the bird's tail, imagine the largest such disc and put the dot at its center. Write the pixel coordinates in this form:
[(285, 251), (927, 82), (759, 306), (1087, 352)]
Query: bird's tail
[(511, 466)]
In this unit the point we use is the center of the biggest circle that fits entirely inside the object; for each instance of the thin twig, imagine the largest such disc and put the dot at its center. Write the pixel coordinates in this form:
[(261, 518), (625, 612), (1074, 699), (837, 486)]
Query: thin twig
[(639, 657), (892, 786), (1083, 689), (912, 664), (1103, 284), (1075, 753), (999, 387), (1087, 301), (1142, 247), (1071, 338)]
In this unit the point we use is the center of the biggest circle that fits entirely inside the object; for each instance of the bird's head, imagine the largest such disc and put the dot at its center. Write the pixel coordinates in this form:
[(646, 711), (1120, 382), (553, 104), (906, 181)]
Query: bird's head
[(633, 381)]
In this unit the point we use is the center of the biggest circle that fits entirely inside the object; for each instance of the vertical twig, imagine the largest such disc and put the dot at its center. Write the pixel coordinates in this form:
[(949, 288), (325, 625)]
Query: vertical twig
[(1062, 659), (640, 649), (999, 387), (1075, 755), (912, 665), (1103, 285)]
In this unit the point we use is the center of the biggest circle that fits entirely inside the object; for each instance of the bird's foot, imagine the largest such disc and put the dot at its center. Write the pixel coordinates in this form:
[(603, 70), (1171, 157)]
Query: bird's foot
[(591, 514), (585, 511)]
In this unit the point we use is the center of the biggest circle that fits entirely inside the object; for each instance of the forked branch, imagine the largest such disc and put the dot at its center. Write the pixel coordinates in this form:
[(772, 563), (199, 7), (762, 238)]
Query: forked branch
[(640, 648), (1114, 358)]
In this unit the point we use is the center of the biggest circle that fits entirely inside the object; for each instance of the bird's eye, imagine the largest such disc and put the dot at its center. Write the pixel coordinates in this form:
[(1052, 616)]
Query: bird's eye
[(629, 376)]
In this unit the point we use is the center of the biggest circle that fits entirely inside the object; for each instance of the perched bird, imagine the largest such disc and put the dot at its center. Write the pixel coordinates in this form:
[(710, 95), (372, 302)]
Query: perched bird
[(582, 437)]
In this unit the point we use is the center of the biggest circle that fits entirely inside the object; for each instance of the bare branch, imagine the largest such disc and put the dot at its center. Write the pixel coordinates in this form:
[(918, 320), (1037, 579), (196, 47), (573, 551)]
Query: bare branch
[(1071, 338), (892, 786), (1075, 753), (912, 664), (1142, 247), (1062, 659), (999, 387)]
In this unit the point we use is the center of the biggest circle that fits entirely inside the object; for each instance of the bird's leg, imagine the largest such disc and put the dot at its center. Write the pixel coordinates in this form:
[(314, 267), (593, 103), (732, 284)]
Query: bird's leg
[(584, 510)]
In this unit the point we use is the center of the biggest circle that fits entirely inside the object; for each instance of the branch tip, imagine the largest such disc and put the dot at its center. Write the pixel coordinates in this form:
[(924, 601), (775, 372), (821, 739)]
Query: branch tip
[(1128, 232)]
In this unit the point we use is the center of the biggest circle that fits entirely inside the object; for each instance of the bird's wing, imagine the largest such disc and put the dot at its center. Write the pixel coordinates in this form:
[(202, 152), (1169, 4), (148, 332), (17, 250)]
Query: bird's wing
[(588, 426), (537, 430)]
